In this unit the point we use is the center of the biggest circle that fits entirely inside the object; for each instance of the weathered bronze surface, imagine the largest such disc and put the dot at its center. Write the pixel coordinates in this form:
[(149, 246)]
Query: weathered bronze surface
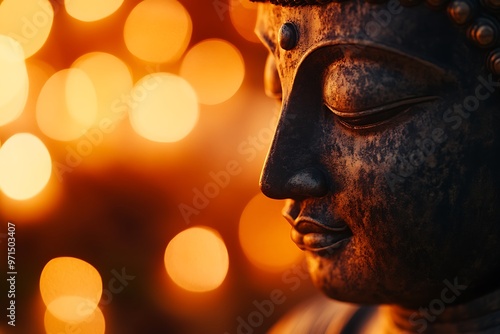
[(388, 151)]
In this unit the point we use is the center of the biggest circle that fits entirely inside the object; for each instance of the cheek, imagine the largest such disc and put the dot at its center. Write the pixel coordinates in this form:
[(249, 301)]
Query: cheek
[(389, 183), (406, 193), (405, 240)]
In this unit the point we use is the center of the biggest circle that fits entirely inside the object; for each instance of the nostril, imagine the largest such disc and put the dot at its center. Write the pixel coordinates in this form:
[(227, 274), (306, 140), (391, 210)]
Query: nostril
[(309, 182)]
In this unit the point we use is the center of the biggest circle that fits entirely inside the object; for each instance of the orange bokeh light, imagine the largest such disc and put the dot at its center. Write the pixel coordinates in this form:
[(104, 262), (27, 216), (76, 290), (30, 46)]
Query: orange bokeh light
[(112, 81), (164, 108), (91, 10), (265, 235), (25, 166), (243, 17), (28, 21), (93, 324), (197, 259), (67, 105), (14, 83), (158, 31), (215, 69), (71, 288)]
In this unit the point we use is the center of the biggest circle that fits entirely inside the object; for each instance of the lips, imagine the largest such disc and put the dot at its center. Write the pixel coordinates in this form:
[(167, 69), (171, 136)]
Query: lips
[(312, 235)]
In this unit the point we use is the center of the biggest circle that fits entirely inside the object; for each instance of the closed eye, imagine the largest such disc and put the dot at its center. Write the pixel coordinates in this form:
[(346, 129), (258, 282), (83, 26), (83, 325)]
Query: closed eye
[(367, 87), (373, 117)]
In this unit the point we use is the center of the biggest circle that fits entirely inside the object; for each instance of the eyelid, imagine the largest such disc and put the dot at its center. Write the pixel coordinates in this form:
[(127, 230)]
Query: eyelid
[(377, 116), (386, 107), (377, 78)]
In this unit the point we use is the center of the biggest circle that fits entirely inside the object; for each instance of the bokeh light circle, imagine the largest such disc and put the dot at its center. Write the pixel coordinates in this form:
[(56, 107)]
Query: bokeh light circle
[(93, 324), (67, 105), (158, 31), (164, 107), (71, 288), (215, 69), (265, 235), (243, 15), (25, 166), (14, 83), (112, 81), (28, 21), (197, 260), (91, 10)]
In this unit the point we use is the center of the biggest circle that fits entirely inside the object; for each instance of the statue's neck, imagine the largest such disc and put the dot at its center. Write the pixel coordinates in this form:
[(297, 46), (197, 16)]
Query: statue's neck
[(480, 315)]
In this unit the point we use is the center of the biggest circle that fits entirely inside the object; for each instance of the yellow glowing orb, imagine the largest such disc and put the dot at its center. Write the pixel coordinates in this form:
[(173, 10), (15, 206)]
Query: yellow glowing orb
[(112, 80), (164, 107), (27, 21), (94, 324), (91, 10), (265, 235), (197, 259), (215, 69), (14, 83), (71, 288), (158, 31), (25, 166), (243, 17), (67, 105)]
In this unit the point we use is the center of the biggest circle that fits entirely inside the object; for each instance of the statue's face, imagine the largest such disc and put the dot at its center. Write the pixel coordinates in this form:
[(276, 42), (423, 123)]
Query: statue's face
[(387, 148)]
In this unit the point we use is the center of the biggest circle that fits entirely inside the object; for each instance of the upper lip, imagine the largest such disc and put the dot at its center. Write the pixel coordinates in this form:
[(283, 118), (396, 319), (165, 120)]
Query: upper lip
[(304, 225), (312, 235)]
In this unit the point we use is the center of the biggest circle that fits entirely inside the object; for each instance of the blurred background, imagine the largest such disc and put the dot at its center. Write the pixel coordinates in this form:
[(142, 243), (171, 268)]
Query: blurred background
[(132, 135)]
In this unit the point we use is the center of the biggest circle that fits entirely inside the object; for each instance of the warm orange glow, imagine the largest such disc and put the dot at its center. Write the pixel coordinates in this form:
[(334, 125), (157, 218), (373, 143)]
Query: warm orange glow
[(37, 209), (67, 105), (164, 107), (91, 10), (25, 166), (14, 83), (27, 21), (38, 73), (158, 31), (216, 70), (244, 16), (112, 80), (265, 235), (197, 259), (71, 288), (94, 324)]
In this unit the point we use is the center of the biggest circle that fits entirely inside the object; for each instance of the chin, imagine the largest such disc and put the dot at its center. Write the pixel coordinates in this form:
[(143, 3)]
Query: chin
[(344, 275), (350, 276)]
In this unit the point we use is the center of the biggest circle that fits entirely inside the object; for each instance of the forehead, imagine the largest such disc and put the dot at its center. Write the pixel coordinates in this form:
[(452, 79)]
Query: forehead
[(417, 31)]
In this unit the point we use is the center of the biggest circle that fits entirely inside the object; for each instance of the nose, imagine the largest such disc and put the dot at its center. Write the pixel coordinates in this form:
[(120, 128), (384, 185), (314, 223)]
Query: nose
[(309, 182), (292, 168)]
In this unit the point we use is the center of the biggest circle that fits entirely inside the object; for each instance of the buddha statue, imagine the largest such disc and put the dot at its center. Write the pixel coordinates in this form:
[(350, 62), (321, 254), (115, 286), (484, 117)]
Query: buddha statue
[(388, 153)]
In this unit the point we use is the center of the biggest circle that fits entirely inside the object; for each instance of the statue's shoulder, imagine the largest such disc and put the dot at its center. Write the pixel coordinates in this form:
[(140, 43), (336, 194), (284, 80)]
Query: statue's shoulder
[(321, 315)]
